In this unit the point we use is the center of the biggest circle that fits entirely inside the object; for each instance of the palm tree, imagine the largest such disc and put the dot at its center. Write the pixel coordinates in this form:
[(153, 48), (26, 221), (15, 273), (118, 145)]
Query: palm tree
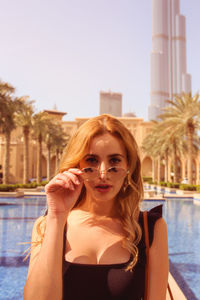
[(159, 144), (182, 117), (49, 136), (150, 145), (172, 144), (155, 146), (24, 118), (40, 121), (60, 141), (53, 134), (8, 108)]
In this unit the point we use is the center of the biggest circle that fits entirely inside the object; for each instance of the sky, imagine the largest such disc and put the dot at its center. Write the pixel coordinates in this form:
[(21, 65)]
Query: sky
[(64, 52)]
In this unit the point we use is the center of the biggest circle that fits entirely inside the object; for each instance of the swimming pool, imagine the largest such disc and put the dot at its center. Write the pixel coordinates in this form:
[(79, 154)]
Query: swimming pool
[(18, 215)]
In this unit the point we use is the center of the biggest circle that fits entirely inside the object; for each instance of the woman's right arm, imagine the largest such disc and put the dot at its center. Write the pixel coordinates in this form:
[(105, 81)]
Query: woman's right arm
[(44, 280)]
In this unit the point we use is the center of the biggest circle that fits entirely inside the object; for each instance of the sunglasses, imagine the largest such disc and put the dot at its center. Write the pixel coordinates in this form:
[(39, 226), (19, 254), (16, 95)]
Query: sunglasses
[(112, 173)]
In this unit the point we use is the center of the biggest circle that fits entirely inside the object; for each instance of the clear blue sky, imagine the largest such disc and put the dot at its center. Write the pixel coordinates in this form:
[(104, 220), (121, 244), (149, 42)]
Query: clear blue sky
[(64, 52)]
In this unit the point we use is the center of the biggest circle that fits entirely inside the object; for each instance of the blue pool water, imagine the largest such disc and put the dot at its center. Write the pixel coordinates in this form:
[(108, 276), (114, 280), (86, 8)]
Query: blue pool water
[(18, 215)]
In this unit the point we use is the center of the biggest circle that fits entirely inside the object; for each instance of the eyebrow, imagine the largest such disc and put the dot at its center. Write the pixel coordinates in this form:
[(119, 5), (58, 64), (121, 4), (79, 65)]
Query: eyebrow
[(110, 155), (116, 154)]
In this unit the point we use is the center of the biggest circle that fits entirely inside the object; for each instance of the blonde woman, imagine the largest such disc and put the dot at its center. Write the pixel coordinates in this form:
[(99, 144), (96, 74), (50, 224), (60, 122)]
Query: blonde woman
[(90, 245)]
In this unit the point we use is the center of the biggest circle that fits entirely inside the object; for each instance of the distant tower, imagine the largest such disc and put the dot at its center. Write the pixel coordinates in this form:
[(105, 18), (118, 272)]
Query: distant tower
[(168, 58), (111, 103)]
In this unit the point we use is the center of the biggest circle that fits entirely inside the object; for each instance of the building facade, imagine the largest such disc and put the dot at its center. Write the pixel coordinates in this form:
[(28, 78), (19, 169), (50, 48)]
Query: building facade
[(137, 126), (169, 75), (110, 103)]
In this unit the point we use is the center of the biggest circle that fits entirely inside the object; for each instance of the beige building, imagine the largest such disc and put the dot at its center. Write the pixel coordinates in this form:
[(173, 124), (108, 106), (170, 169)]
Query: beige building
[(137, 126), (110, 103)]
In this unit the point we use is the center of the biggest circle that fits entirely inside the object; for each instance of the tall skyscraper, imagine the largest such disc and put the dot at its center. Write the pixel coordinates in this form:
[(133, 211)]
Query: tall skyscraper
[(169, 75), (110, 103)]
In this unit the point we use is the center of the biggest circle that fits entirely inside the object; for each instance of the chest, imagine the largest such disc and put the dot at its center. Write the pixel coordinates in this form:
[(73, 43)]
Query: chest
[(95, 244)]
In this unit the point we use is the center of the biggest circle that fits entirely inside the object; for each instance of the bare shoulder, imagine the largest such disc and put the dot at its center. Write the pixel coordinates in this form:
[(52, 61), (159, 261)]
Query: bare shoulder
[(160, 239), (160, 231), (75, 216), (160, 225)]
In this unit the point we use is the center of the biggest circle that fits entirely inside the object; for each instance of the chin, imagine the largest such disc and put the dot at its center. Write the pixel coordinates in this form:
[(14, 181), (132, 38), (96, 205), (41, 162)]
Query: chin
[(104, 197)]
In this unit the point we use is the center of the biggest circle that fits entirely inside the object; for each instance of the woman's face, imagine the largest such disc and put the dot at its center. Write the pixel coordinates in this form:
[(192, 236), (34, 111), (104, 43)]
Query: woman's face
[(106, 151)]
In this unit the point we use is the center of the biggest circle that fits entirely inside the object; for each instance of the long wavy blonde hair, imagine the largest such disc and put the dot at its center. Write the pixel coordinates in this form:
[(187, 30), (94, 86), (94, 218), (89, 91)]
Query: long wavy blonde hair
[(128, 200)]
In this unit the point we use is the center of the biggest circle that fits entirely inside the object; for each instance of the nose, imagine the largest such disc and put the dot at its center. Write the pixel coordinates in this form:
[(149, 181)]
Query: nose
[(102, 170)]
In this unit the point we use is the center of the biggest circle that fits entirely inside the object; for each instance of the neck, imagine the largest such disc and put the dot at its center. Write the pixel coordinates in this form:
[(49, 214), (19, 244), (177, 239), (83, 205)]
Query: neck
[(98, 208)]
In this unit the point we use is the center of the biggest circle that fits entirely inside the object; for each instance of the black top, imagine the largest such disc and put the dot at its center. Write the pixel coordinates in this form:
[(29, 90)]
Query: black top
[(111, 281)]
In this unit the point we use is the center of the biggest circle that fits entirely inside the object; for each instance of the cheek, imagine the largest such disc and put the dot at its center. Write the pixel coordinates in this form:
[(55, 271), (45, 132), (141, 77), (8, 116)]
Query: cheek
[(88, 185), (119, 184)]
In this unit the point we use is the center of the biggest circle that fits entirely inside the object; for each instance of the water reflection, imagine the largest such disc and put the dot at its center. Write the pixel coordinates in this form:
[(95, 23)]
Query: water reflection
[(16, 222), (183, 223), (17, 217)]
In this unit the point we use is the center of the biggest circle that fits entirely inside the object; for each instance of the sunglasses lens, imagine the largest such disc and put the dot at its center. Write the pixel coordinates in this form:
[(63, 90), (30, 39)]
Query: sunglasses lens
[(89, 173), (112, 173)]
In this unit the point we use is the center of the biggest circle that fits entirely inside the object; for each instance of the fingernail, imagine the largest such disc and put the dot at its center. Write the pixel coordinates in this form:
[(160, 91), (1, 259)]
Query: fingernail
[(72, 187)]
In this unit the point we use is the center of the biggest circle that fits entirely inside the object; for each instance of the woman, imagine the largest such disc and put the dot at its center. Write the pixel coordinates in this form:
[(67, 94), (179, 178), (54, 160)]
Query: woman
[(90, 245)]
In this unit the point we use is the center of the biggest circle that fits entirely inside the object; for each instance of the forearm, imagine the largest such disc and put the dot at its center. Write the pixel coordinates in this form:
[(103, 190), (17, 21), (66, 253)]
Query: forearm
[(45, 277)]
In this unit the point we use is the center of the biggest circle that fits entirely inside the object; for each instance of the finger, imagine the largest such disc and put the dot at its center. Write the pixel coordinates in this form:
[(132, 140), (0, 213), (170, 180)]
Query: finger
[(75, 171), (68, 179), (54, 185), (68, 183), (59, 183), (74, 178)]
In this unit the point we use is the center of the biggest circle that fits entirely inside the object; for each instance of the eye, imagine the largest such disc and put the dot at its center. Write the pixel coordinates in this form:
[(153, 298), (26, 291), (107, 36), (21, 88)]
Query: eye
[(88, 170), (115, 160), (113, 170), (91, 160)]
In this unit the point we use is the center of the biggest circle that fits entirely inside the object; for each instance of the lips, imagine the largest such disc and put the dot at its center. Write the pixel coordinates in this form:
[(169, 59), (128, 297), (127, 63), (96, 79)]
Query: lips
[(103, 187)]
